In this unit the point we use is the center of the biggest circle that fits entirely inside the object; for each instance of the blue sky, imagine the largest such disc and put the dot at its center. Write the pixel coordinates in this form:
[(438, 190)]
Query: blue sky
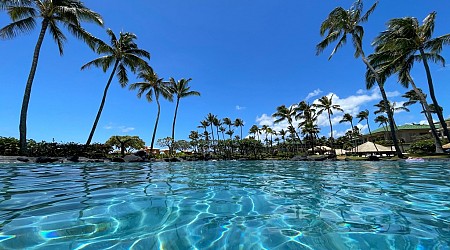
[(245, 57)]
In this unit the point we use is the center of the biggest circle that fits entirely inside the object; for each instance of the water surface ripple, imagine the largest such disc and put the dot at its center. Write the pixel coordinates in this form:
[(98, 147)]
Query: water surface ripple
[(226, 205)]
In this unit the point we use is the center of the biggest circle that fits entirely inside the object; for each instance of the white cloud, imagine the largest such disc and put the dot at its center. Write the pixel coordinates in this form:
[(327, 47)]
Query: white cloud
[(123, 129), (265, 120), (360, 91), (126, 129), (239, 107), (313, 94)]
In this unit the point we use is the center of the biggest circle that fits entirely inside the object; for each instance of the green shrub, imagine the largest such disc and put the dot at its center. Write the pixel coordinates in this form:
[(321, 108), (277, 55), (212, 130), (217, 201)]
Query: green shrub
[(423, 147)]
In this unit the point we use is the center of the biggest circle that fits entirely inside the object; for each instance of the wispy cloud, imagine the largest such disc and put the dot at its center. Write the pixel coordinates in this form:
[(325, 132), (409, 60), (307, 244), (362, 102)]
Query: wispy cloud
[(313, 94), (123, 129), (239, 107)]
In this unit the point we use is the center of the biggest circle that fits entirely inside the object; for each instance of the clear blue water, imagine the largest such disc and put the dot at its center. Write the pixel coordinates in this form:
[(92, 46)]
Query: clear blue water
[(226, 205)]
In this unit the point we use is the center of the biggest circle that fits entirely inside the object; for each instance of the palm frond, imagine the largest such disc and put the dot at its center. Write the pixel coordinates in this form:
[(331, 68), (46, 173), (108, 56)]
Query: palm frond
[(365, 17), (21, 12), (103, 62), (57, 35), (122, 75), (13, 29)]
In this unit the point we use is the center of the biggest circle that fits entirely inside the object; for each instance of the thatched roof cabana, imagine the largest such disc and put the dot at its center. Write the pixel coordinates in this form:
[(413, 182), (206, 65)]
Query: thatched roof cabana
[(369, 148), (446, 146)]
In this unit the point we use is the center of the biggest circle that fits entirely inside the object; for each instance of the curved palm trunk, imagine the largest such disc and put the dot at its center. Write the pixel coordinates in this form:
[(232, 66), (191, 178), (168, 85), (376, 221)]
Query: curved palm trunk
[(370, 133), (27, 93), (351, 135), (156, 124), (331, 135), (433, 97), (298, 137), (175, 119), (386, 104), (102, 104), (426, 109)]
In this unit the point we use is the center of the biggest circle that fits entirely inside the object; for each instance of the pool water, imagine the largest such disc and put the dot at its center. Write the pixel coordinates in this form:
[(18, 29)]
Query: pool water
[(226, 205)]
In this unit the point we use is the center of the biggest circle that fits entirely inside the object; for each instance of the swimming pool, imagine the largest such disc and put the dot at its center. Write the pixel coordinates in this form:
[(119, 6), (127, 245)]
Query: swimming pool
[(226, 205)]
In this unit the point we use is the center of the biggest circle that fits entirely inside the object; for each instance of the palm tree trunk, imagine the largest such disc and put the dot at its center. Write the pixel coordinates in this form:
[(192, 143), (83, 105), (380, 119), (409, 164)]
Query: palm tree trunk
[(370, 133), (102, 104), (174, 119), (433, 96), (426, 109), (298, 137), (386, 103), (27, 94), (331, 134), (156, 124)]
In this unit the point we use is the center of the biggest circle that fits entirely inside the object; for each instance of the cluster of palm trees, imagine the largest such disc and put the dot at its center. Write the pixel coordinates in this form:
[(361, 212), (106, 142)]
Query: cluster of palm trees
[(404, 42), (121, 54)]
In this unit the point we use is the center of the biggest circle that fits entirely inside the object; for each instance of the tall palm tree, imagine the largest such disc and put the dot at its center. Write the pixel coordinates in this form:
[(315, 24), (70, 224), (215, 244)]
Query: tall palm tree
[(286, 114), (153, 87), (180, 89), (310, 129), (227, 121), (217, 123), (408, 37), (123, 53), (210, 118), (413, 98), (349, 118), (326, 104), (255, 131), (239, 123), (53, 14), (364, 115), (339, 24)]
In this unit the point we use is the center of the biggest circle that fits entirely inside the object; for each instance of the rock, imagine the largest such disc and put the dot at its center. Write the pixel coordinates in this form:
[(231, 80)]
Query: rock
[(373, 158), (23, 159), (299, 158), (117, 159), (74, 158), (46, 160), (132, 158)]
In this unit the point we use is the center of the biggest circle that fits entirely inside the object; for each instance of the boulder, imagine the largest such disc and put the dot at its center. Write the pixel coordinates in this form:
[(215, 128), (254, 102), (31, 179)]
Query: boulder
[(23, 159), (373, 158), (299, 158), (132, 158), (117, 159), (74, 158), (46, 160)]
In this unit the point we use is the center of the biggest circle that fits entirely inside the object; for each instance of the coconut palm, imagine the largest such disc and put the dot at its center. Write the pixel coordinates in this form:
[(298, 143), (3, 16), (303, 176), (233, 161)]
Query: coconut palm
[(227, 121), (382, 120), (337, 26), (255, 131), (414, 42), (210, 118), (216, 122), (413, 98), (286, 114), (153, 87), (310, 130), (326, 104), (180, 89), (364, 115), (349, 118), (53, 14), (239, 123), (123, 53)]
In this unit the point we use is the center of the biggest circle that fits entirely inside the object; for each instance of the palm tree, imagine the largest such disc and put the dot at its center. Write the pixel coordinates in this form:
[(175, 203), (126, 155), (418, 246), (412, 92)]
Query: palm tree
[(254, 130), (25, 14), (326, 104), (153, 87), (310, 130), (123, 53), (180, 89), (340, 23), (407, 37), (227, 121), (283, 113), (349, 118), (210, 118), (364, 115), (239, 123), (413, 98), (216, 122)]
